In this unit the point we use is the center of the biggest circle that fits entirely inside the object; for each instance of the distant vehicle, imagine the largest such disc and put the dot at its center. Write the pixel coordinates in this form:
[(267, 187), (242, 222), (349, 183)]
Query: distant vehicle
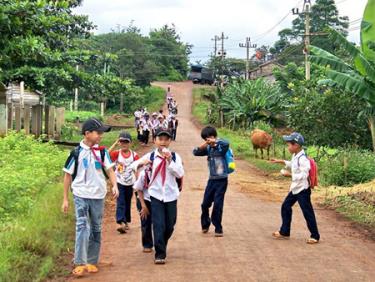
[(201, 74)]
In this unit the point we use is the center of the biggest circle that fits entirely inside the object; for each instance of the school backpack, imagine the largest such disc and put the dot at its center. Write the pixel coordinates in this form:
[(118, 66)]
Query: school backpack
[(313, 172), (179, 181), (75, 155), (229, 159)]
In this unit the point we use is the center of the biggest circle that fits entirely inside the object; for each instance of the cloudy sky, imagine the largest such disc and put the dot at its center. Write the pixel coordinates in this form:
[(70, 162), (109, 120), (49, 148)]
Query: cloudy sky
[(198, 21)]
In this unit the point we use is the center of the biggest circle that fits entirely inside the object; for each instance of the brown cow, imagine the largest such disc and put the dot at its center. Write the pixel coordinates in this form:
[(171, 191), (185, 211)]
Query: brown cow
[(261, 140)]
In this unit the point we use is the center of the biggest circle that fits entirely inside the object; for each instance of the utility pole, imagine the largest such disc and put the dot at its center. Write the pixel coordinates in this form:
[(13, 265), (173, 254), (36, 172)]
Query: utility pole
[(306, 51), (215, 39), (247, 45), (222, 53), (76, 93)]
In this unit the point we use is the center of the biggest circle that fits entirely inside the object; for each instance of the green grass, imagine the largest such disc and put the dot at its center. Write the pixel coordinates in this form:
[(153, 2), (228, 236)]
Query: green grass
[(71, 116), (34, 241)]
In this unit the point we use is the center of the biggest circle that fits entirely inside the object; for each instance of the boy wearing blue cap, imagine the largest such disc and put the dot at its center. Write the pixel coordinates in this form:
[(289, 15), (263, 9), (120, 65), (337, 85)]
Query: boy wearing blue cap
[(300, 189)]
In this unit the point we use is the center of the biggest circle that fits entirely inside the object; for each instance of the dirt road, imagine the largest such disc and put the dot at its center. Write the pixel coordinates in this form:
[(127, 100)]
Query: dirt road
[(246, 252)]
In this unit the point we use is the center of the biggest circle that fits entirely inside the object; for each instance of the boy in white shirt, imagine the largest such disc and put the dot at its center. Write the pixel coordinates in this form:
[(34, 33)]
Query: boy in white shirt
[(85, 171), (164, 190), (144, 208), (300, 190)]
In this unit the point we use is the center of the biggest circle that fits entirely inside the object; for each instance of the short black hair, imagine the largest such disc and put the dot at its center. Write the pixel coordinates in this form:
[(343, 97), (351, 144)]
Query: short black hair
[(208, 131)]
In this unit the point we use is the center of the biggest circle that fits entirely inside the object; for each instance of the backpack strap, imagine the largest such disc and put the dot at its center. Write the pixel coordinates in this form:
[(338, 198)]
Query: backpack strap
[(102, 157), (75, 155)]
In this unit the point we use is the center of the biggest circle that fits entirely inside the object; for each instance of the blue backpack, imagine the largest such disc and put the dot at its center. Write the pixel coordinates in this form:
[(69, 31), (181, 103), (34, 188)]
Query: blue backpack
[(229, 159)]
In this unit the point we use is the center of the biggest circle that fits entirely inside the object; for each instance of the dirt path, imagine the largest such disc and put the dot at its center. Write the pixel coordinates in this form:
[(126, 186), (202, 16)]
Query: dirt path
[(247, 252)]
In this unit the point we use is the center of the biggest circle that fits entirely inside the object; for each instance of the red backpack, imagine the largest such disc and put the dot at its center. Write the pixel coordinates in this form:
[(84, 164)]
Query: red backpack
[(313, 173)]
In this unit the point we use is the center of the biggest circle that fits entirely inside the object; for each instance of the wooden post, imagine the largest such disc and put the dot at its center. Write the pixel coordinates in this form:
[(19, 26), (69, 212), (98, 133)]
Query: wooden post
[(34, 120), (17, 111), (46, 119), (60, 119), (102, 109), (26, 119), (10, 116), (121, 102), (51, 122), (3, 120)]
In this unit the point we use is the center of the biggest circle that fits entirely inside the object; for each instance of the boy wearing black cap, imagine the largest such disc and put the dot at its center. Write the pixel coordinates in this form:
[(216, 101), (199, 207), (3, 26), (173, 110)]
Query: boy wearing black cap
[(123, 158), (300, 190), (163, 189), (85, 171)]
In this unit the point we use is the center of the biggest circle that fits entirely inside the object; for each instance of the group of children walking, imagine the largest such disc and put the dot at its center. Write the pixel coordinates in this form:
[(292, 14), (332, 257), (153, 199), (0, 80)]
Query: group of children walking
[(147, 125), (157, 179)]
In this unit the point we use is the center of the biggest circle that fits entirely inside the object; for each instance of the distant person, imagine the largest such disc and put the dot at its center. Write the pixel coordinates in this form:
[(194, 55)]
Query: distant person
[(172, 125), (300, 189), (85, 171), (216, 149), (123, 158)]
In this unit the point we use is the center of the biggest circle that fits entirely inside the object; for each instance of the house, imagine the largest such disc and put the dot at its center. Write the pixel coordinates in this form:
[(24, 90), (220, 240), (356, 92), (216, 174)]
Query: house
[(29, 98), (265, 71)]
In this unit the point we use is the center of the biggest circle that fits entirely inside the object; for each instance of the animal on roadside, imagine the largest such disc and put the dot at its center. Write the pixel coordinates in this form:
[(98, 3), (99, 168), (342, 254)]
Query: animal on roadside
[(261, 140)]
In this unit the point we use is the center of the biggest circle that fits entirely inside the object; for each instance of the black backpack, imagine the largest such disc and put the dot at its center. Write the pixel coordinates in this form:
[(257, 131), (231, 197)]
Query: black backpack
[(74, 154)]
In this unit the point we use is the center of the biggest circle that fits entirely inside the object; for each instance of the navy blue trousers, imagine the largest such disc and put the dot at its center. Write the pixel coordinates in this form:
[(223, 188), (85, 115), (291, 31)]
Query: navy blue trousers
[(146, 226), (164, 217), (304, 200), (214, 193), (123, 207)]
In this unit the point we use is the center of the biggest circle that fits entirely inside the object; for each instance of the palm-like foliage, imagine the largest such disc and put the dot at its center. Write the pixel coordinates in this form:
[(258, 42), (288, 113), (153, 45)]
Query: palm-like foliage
[(244, 102), (356, 73)]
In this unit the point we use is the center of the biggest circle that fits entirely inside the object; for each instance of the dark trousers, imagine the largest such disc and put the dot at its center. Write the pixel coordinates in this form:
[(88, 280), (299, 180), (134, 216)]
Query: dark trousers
[(215, 192), (146, 136), (174, 134), (304, 200), (146, 226), (123, 207), (164, 216)]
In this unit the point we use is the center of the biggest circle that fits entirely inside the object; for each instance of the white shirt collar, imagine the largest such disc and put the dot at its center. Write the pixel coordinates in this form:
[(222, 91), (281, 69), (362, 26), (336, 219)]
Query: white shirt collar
[(84, 146)]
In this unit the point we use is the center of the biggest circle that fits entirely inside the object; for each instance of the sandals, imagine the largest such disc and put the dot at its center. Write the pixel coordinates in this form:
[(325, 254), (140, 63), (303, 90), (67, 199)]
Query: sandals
[(312, 241), (147, 250), (79, 270), (278, 235), (92, 268), (159, 261)]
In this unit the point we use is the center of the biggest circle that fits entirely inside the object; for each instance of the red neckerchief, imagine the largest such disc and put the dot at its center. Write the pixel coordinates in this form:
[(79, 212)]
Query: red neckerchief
[(161, 168), (98, 148)]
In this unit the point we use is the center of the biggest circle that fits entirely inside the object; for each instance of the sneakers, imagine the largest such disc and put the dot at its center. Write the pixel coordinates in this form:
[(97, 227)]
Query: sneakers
[(121, 228), (278, 235), (159, 261)]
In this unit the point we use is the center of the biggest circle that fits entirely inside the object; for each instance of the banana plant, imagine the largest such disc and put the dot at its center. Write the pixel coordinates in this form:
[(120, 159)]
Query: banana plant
[(355, 73)]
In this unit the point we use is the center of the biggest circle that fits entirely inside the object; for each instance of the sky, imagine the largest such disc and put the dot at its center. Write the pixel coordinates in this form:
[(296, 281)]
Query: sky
[(198, 21)]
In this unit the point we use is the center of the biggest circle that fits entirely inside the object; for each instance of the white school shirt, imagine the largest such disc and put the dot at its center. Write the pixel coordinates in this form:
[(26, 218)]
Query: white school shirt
[(145, 125), (139, 185), (90, 182), (124, 174), (169, 192), (300, 167)]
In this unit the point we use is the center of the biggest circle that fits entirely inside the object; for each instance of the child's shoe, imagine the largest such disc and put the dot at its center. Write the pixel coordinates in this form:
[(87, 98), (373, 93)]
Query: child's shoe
[(312, 241), (147, 250), (219, 234), (277, 235), (92, 268), (79, 270), (121, 228), (159, 261)]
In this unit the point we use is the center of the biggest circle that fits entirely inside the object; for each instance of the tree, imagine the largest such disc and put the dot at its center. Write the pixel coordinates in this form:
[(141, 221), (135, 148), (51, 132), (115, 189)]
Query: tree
[(40, 47), (323, 14), (358, 74)]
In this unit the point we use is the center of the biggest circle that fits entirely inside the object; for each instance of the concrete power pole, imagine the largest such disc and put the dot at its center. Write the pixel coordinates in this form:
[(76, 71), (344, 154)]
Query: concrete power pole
[(215, 39), (306, 51), (247, 45), (76, 94)]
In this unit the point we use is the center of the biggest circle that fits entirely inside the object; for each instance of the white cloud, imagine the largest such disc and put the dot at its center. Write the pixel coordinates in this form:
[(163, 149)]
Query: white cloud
[(199, 20)]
